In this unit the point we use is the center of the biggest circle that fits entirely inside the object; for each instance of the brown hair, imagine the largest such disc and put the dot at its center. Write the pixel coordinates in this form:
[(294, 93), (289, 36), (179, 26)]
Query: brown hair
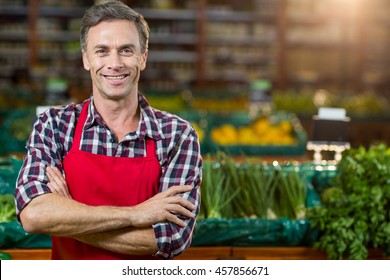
[(113, 10)]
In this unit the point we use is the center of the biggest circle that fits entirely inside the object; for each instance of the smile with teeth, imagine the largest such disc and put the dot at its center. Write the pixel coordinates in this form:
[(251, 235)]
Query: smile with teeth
[(116, 77)]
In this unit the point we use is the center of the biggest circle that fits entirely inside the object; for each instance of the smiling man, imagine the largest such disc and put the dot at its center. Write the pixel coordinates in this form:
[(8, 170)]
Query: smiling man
[(112, 177)]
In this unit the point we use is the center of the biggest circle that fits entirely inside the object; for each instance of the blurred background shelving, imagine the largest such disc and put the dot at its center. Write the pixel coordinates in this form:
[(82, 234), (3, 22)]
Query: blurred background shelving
[(173, 56), (206, 54), (337, 45)]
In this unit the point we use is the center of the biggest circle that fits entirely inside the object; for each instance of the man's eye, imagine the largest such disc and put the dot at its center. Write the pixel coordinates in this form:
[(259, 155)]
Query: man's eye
[(127, 51), (101, 51)]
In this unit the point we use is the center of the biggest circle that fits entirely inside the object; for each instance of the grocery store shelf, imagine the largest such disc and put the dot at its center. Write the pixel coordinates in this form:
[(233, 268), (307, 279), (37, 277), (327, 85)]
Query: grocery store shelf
[(172, 56), (233, 16), (59, 36), (14, 11), (175, 14), (62, 12), (247, 41), (12, 35), (172, 38), (18, 52)]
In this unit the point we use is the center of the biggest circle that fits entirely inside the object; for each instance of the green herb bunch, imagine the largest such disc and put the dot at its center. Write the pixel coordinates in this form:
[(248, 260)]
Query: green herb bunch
[(7, 208), (355, 213), (251, 190)]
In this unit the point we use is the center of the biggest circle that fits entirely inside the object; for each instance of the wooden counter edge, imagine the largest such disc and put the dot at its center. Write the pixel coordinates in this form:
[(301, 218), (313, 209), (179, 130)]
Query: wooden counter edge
[(217, 253), (201, 253), (28, 254)]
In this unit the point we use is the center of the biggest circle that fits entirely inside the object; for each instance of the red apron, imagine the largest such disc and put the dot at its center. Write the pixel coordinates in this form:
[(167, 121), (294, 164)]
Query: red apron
[(105, 180)]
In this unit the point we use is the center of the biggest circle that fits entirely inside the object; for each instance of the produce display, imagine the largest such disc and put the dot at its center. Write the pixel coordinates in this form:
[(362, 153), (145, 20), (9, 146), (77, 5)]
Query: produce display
[(252, 190), (277, 133), (261, 131), (355, 213), (12, 234), (342, 209), (255, 204)]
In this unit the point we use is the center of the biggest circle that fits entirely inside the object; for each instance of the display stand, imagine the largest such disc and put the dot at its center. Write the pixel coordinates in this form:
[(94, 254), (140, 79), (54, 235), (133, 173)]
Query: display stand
[(329, 133), (319, 147)]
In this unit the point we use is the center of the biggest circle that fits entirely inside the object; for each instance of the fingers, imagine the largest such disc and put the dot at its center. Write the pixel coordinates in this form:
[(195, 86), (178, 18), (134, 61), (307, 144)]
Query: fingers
[(174, 211), (174, 190), (181, 203), (166, 206), (176, 220), (57, 183), (176, 206), (56, 175)]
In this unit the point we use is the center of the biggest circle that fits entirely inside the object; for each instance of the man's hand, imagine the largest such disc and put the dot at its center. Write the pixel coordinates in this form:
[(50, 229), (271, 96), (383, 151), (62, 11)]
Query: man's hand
[(162, 207), (57, 183)]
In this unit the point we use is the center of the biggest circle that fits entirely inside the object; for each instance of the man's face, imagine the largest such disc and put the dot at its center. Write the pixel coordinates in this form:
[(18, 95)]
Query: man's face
[(113, 57)]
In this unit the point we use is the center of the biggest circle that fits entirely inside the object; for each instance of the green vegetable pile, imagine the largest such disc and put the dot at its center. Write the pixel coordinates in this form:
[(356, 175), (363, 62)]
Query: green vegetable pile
[(249, 189), (7, 208), (9, 168), (355, 213)]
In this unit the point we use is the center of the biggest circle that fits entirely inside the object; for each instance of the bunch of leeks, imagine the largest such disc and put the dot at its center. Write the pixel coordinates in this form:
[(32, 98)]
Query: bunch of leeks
[(251, 190)]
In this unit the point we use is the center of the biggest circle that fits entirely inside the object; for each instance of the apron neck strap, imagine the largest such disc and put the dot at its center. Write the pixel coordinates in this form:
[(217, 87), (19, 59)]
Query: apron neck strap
[(80, 125)]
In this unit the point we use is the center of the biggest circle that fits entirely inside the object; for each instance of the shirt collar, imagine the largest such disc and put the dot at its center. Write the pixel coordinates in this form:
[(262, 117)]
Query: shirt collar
[(93, 117), (148, 127)]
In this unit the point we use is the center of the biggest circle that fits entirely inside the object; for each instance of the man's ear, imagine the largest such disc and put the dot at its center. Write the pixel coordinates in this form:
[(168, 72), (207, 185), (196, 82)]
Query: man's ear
[(144, 58), (85, 61)]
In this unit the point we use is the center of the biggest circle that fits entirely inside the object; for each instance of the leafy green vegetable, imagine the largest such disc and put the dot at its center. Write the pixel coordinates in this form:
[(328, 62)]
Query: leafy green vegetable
[(7, 208), (290, 193), (249, 189), (215, 193), (355, 214)]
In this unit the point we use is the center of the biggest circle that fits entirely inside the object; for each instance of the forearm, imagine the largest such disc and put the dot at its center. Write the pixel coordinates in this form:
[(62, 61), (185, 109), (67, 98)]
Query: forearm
[(129, 240), (59, 216), (55, 215)]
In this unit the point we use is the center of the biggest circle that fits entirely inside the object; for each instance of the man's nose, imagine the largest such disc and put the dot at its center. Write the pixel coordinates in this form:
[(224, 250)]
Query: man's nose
[(115, 61)]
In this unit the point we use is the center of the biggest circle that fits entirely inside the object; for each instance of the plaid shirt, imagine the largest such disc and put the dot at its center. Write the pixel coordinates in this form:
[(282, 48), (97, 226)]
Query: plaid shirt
[(177, 149)]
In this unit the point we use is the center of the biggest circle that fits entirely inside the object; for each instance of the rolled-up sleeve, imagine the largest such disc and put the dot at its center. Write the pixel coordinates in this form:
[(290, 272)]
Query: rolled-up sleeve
[(43, 149), (184, 168)]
